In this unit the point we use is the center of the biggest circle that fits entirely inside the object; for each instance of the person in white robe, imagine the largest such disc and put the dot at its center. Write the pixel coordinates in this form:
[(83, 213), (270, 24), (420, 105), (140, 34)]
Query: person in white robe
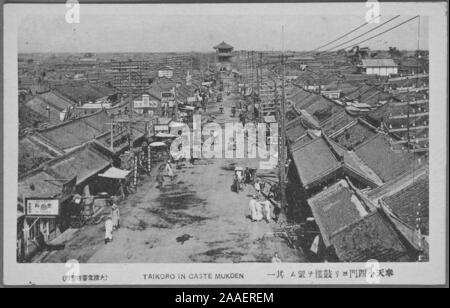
[(115, 213), (266, 209), (259, 210), (108, 230), (169, 171)]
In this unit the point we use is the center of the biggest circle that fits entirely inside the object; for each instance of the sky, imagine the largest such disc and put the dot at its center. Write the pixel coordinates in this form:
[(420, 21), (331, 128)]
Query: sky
[(184, 33)]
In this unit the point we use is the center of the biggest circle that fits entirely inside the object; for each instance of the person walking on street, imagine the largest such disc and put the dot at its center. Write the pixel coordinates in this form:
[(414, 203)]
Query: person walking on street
[(160, 180), (108, 230), (236, 185), (169, 171), (253, 207), (115, 213), (265, 204)]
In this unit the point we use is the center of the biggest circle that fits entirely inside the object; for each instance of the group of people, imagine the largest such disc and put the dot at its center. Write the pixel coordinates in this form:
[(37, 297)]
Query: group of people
[(112, 223), (241, 178), (260, 205)]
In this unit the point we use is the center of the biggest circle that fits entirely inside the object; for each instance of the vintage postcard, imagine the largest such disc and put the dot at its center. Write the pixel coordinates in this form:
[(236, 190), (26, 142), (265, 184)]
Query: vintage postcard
[(225, 144)]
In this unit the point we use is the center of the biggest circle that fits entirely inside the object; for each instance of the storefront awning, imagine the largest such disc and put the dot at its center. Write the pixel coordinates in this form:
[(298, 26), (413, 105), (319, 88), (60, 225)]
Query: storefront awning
[(115, 173), (157, 144), (165, 135)]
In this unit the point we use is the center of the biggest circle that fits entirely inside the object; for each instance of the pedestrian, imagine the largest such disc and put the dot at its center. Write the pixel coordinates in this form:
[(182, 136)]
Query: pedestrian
[(276, 211), (252, 205), (257, 185), (276, 258), (266, 189), (236, 184), (108, 230), (247, 176), (115, 213), (265, 205), (160, 180), (169, 170), (259, 215), (240, 176)]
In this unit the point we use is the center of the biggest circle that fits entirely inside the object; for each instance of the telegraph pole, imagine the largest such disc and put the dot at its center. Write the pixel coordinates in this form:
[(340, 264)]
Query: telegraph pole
[(283, 133), (112, 133), (260, 83)]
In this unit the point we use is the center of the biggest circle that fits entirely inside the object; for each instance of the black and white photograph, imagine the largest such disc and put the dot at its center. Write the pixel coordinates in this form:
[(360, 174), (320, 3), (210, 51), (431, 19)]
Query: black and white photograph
[(225, 143)]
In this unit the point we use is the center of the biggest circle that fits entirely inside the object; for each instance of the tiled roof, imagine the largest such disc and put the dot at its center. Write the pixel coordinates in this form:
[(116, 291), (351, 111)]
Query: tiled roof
[(54, 100), (84, 93), (337, 122), (370, 238), (38, 105), (82, 163), (354, 135), (295, 129), (46, 181), (223, 45), (39, 183), (314, 160), (405, 204), (336, 208), (78, 131), (355, 167), (32, 154), (376, 153)]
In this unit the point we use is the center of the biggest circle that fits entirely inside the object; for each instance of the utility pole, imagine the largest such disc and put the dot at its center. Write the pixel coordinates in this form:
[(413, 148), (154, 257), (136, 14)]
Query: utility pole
[(258, 90), (260, 83), (175, 102), (283, 135), (111, 142), (257, 81)]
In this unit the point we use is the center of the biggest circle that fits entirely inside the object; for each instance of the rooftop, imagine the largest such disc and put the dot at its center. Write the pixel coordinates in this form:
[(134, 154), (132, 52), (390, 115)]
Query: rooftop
[(354, 135), (405, 204), (223, 45), (376, 152), (78, 131), (370, 238), (378, 63), (336, 208), (314, 160)]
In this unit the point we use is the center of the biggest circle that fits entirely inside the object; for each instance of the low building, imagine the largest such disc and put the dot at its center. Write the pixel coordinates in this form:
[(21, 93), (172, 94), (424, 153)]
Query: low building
[(165, 71), (353, 230), (147, 103), (380, 67), (51, 106), (44, 194)]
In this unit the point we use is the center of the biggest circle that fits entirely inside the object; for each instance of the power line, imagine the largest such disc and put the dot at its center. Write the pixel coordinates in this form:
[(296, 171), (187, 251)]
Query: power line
[(373, 29), (357, 28), (381, 33)]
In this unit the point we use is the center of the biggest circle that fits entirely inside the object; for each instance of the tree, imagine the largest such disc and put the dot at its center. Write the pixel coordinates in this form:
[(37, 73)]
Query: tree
[(394, 52)]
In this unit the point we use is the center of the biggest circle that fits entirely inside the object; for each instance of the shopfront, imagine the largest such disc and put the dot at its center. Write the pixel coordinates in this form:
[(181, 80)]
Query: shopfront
[(40, 223)]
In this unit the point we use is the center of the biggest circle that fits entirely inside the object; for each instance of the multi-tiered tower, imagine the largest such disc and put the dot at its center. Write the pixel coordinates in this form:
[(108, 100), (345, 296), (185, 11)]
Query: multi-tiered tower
[(224, 55)]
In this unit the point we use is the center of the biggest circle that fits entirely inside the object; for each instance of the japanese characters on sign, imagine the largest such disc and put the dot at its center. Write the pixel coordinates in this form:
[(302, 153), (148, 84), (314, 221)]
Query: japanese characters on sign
[(42, 207)]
